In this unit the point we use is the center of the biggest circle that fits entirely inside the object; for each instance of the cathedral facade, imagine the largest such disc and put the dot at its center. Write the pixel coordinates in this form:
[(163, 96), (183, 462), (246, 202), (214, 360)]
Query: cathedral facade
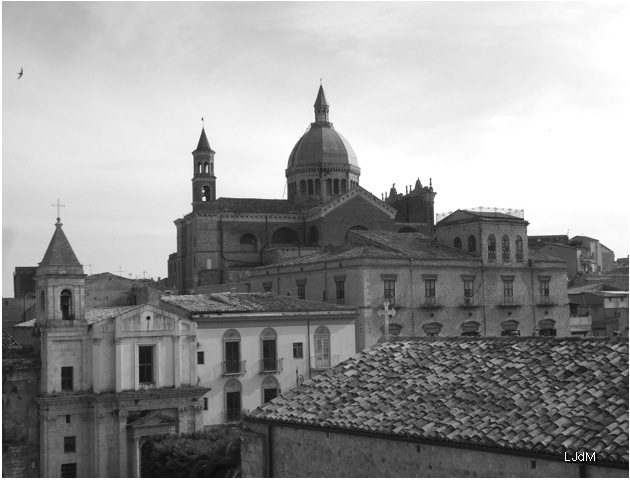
[(224, 236)]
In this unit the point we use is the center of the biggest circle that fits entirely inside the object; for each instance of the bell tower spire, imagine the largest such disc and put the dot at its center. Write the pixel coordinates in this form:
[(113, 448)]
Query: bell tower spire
[(203, 181)]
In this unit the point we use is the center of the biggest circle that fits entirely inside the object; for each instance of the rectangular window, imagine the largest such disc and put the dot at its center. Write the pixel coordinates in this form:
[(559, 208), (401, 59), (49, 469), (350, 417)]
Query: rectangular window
[(469, 292), (145, 364), (232, 357), (269, 360), (298, 350), (322, 351), (508, 292), (301, 290), (233, 406), (340, 287), (544, 290), (69, 444), (205, 404), (429, 291), (389, 286), (66, 379), (267, 287), (68, 418), (68, 470), (201, 358)]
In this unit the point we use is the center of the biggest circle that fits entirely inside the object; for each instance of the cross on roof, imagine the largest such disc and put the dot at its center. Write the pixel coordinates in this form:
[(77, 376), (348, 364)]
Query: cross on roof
[(58, 205), (387, 313)]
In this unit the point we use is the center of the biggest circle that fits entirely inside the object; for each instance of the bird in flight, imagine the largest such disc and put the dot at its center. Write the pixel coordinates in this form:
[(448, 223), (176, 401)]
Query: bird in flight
[(20, 73)]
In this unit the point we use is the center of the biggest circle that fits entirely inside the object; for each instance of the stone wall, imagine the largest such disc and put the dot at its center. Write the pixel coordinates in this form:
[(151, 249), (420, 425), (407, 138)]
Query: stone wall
[(20, 461), (301, 452)]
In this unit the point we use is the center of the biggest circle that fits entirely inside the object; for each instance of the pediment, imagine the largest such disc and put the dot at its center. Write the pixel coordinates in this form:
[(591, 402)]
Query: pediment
[(356, 194), (153, 420)]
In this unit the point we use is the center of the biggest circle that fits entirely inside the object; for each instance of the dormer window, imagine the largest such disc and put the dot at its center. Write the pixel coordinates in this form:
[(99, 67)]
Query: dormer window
[(66, 305)]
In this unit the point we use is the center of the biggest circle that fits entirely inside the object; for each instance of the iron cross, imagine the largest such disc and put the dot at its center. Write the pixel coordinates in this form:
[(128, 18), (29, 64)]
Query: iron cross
[(58, 205)]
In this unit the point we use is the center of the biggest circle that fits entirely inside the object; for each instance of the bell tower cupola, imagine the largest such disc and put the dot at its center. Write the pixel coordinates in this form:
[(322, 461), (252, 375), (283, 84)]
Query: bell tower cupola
[(60, 284), (203, 181)]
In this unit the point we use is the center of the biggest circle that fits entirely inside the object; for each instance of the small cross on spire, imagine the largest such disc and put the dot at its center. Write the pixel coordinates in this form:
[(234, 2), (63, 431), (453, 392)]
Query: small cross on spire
[(58, 205), (202, 124)]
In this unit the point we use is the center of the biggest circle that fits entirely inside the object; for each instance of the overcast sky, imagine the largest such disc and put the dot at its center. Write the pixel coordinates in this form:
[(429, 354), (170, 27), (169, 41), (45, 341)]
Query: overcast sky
[(512, 105)]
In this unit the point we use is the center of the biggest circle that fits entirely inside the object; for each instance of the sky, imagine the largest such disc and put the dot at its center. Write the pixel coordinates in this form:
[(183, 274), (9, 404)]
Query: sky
[(520, 105)]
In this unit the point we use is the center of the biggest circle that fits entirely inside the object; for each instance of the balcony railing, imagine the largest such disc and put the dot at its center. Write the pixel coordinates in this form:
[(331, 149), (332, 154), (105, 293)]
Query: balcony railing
[(492, 256), (270, 365), (431, 302), (546, 300), (520, 256), (469, 302), (510, 301), (234, 368)]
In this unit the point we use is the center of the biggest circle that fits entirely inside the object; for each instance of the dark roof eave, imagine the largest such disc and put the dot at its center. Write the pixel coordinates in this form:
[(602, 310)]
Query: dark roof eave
[(425, 441)]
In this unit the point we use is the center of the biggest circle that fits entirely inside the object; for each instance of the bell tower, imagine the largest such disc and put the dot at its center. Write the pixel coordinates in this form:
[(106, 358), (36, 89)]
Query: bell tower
[(203, 181), (61, 320)]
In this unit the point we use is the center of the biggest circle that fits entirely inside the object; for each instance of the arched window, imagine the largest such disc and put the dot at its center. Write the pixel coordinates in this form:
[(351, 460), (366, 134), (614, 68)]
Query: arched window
[(270, 389), (457, 243), (248, 243), (310, 187), (356, 227), (199, 168), (66, 305), (492, 248), (472, 243), (432, 329), (510, 328), (284, 236), (322, 347), (547, 328), (232, 391), (206, 167), (343, 185), (505, 248), (269, 350), (302, 187), (328, 186), (336, 186), (470, 329), (318, 187), (519, 248), (232, 353), (313, 237), (205, 193)]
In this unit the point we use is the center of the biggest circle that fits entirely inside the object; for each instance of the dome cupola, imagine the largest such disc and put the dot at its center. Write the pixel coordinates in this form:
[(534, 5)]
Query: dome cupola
[(322, 163)]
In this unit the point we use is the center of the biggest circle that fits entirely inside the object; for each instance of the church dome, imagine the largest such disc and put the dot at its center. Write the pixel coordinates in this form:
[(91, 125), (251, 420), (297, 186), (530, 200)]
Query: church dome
[(322, 144)]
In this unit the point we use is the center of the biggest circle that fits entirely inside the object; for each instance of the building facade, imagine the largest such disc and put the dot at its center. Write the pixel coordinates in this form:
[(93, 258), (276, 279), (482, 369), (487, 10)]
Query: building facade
[(447, 287), (110, 377), (251, 347), (325, 202), (606, 311)]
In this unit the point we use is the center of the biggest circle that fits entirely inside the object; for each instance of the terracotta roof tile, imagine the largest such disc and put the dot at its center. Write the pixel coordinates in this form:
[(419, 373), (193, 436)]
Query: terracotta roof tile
[(507, 393), (15, 355)]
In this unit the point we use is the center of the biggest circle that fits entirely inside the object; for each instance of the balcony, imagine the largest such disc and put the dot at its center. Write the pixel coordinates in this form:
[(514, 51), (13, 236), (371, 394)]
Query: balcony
[(431, 303), (270, 365), (233, 368), (469, 302), (324, 362), (492, 256), (546, 301), (510, 302)]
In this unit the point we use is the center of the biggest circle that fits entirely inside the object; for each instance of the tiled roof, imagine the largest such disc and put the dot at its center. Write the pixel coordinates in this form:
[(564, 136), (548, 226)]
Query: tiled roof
[(59, 251), (543, 257), (250, 205), (535, 395), (332, 253), (14, 354), (248, 302)]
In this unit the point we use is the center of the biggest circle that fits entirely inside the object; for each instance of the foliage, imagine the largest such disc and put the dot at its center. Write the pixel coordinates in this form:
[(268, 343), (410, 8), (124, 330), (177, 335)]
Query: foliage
[(213, 452)]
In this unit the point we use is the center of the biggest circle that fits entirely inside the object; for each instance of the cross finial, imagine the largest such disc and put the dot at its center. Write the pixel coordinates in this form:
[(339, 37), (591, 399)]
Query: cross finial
[(58, 205), (202, 124), (320, 81)]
